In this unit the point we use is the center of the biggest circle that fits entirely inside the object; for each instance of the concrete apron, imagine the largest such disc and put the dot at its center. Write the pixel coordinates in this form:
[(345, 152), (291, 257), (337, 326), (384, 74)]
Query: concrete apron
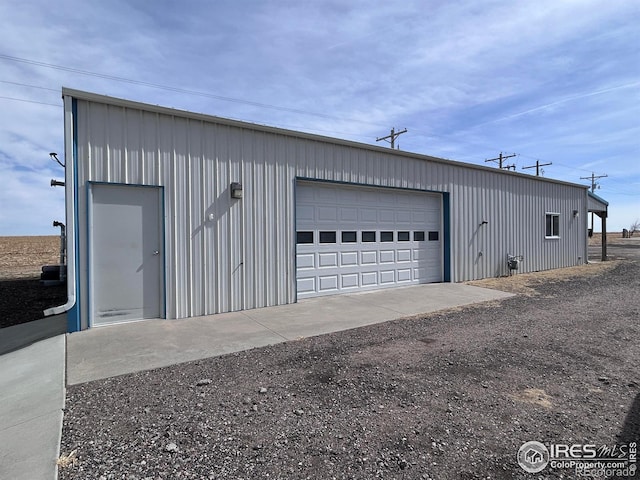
[(113, 350), (32, 397)]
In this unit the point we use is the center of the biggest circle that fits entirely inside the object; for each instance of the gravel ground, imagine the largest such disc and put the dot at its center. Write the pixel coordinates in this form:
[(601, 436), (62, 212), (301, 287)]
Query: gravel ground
[(451, 395)]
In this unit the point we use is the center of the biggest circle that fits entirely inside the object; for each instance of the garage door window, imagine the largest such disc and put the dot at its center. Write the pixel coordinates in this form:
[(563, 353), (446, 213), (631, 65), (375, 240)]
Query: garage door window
[(327, 237), (349, 237), (418, 236), (368, 236), (304, 237), (433, 236), (403, 236), (386, 236)]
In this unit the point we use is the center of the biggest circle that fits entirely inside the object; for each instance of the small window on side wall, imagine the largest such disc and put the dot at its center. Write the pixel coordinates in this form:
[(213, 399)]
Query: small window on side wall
[(304, 237), (552, 225)]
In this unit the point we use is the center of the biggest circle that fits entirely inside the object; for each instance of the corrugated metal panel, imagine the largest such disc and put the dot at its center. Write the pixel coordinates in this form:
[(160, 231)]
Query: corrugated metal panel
[(596, 204), (225, 255)]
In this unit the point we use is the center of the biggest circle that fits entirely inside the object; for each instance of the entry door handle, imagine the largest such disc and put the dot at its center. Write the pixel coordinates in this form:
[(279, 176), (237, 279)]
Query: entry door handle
[(156, 252)]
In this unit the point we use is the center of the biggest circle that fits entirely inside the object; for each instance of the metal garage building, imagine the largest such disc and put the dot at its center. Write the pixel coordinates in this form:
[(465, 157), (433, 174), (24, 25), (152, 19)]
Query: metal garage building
[(173, 214)]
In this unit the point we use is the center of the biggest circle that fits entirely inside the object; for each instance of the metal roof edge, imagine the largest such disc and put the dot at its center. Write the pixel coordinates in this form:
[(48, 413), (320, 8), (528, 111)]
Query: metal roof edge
[(597, 198), (99, 98)]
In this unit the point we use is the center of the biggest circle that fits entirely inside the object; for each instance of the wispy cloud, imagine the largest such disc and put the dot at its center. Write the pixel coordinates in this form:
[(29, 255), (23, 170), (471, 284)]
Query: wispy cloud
[(550, 80)]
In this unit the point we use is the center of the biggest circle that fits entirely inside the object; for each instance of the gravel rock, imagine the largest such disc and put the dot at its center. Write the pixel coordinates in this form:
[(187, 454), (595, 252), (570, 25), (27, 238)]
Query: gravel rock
[(171, 447), (397, 400)]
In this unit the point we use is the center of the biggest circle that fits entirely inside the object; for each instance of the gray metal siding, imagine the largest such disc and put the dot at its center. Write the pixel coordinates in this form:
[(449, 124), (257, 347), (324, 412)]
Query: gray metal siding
[(226, 255)]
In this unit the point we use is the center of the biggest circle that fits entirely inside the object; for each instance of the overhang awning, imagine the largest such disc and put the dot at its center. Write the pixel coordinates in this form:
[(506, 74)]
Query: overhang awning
[(599, 206)]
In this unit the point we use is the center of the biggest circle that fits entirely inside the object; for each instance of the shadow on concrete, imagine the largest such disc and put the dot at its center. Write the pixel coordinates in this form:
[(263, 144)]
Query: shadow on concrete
[(631, 428), (19, 336)]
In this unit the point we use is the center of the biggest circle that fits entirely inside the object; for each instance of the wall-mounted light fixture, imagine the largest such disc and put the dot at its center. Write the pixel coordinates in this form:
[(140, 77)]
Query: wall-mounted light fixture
[(236, 190), (576, 213), (484, 222)]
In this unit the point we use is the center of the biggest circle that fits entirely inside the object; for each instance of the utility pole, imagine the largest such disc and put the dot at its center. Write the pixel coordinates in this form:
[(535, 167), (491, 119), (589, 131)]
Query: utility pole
[(391, 138), (594, 185), (501, 159), (593, 179), (537, 165)]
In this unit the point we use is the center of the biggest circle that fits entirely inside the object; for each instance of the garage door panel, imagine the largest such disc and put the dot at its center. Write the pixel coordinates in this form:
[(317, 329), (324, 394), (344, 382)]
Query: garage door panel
[(419, 217), (306, 213), (368, 258), (387, 276), (306, 285), (368, 215), (327, 260), (404, 275), (403, 256), (328, 283), (419, 254), (387, 256), (349, 258), (327, 214), (369, 278), (386, 216), (326, 194), (305, 260), (344, 216), (350, 280), (348, 215), (403, 217)]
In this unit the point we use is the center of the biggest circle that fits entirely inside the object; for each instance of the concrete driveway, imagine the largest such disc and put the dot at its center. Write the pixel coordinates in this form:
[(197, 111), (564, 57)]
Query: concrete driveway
[(32, 379), (126, 348)]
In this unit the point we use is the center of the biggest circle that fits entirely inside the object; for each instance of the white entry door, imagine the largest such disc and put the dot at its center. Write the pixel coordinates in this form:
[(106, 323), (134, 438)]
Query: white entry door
[(126, 259), (352, 238)]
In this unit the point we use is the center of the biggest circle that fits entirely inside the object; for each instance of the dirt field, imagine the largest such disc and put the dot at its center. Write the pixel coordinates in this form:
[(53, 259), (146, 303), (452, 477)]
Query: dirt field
[(22, 298), (452, 395), (22, 257)]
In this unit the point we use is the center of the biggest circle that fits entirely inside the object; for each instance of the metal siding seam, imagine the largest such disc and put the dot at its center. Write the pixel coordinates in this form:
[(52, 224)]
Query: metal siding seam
[(188, 212), (205, 227)]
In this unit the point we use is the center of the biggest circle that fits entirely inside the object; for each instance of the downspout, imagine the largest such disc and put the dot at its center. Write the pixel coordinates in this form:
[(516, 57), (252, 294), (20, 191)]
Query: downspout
[(70, 202)]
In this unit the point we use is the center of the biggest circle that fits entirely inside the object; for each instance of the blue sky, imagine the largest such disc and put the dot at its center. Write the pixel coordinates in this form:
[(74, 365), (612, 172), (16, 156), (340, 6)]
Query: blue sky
[(553, 81)]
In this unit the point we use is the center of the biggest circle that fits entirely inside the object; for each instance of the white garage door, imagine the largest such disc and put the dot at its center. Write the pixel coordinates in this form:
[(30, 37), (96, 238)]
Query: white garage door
[(359, 238)]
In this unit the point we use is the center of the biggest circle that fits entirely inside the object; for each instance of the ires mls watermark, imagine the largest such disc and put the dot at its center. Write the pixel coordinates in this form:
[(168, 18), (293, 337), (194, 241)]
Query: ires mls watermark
[(587, 460)]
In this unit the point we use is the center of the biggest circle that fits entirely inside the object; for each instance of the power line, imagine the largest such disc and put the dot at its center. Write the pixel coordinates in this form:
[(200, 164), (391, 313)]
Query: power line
[(30, 86), (170, 88), (30, 101)]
